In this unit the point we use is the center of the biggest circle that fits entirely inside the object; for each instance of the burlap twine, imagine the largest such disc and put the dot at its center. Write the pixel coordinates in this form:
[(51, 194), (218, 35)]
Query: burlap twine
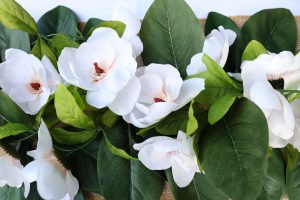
[(167, 194)]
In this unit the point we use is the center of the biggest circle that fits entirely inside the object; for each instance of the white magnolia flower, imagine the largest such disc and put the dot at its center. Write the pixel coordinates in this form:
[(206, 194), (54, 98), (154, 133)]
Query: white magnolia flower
[(161, 152), (27, 80), (277, 66), (10, 173), (216, 46), (54, 181), (103, 66), (275, 106), (126, 14), (295, 140), (162, 92)]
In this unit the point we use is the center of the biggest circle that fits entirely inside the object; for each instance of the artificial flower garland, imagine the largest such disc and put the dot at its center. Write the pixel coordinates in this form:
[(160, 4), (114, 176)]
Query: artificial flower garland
[(215, 110)]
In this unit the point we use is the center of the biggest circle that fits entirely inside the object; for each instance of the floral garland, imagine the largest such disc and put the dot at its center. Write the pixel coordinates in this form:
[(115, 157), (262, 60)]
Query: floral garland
[(216, 116)]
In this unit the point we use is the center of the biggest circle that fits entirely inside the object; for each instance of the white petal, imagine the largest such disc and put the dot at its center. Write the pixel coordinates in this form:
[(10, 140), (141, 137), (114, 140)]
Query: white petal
[(103, 33), (53, 78), (158, 111), (137, 46), (251, 73), (33, 107), (21, 94), (100, 98), (263, 94), (30, 171), (9, 173), (182, 175), (73, 185), (151, 87), (163, 70), (14, 53), (152, 140), (44, 139), (196, 66), (189, 90), (51, 183), (126, 98), (292, 81), (186, 144)]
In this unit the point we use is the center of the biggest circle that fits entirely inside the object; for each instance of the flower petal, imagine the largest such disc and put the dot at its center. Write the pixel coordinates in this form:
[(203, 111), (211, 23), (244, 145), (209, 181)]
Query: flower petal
[(100, 98), (182, 175), (14, 53), (189, 90), (53, 78), (126, 98), (73, 185), (196, 66), (163, 70)]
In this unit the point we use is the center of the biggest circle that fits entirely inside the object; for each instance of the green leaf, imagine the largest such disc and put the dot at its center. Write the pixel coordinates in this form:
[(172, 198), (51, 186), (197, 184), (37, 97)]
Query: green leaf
[(174, 122), (253, 50), (274, 183), (192, 124), (217, 83), (10, 129), (41, 48), (89, 24), (80, 101), (235, 151), (118, 26), (72, 138), (13, 16), (293, 182), (280, 34), (213, 21), (12, 39), (60, 41), (84, 166), (171, 34), (109, 118), (68, 111), (124, 179), (292, 156), (10, 112), (9, 193), (220, 108), (199, 189), (58, 20), (117, 151)]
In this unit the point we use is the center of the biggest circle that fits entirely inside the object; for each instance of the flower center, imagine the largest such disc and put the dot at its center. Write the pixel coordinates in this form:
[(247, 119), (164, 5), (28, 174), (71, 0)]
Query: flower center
[(35, 87), (156, 100), (99, 73)]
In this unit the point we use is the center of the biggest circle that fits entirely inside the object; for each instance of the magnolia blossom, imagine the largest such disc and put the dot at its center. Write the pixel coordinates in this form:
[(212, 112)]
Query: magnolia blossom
[(295, 140), (27, 80), (216, 46), (161, 152), (275, 106), (126, 14), (103, 66), (54, 181), (162, 92), (10, 173)]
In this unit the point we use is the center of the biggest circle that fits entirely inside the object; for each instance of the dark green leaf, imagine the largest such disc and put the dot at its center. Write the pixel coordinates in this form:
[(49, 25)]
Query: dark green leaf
[(58, 20), (199, 189), (70, 137), (12, 39), (41, 48), (125, 179), (84, 166), (293, 181), (275, 29), (220, 108), (253, 50), (11, 193), (235, 151), (10, 112), (11, 129), (171, 34), (174, 122), (68, 111), (89, 24), (13, 16), (274, 183), (109, 118)]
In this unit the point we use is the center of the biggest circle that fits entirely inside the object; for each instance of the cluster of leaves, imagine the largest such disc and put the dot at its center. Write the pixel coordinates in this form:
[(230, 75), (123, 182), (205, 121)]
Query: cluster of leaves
[(231, 133)]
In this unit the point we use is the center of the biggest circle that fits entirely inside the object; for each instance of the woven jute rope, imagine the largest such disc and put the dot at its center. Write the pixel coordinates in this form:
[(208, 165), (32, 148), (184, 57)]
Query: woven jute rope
[(167, 194)]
